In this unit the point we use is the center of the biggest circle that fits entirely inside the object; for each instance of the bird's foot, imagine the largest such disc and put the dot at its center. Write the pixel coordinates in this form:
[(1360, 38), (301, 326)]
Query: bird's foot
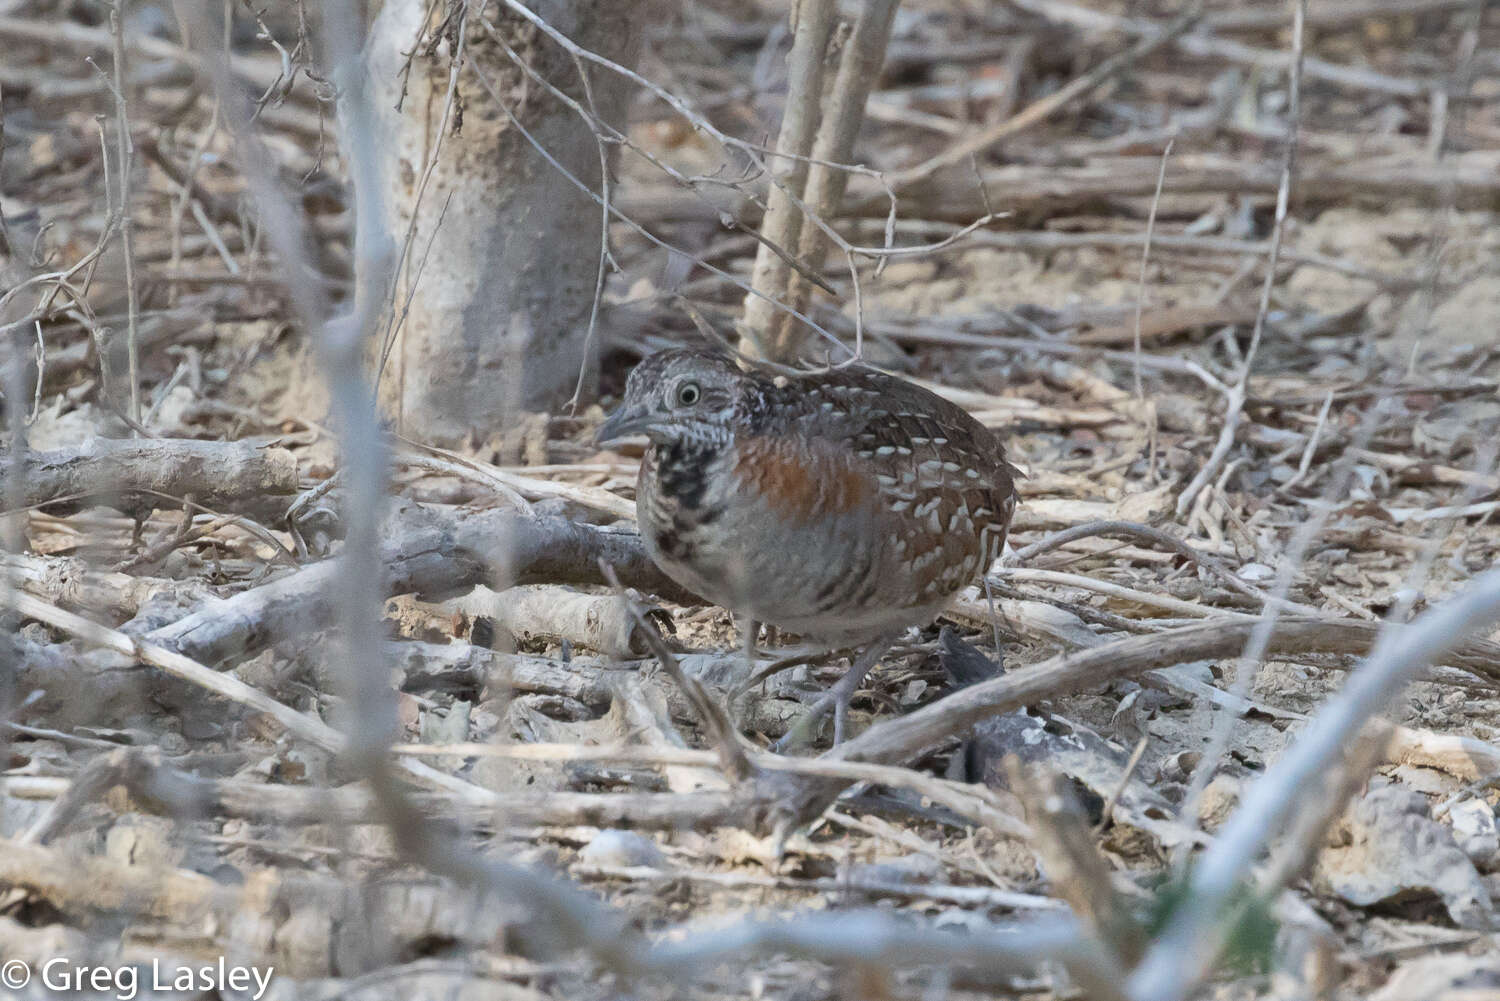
[(838, 699)]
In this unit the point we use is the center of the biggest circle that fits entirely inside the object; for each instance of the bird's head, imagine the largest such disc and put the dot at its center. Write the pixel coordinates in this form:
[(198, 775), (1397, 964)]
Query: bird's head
[(676, 395)]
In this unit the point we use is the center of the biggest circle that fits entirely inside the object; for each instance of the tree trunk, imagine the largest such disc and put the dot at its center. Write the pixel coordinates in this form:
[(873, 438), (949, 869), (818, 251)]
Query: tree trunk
[(822, 127), (501, 282)]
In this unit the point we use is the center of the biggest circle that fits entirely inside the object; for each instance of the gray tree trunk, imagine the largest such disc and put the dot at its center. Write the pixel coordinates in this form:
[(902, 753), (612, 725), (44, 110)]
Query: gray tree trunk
[(500, 309)]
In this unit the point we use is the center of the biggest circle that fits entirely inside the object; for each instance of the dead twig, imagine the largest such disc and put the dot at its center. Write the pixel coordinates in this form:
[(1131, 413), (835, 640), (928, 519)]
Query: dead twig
[(427, 552), (74, 583), (908, 737), (1204, 45), (300, 725), (1150, 536), (508, 484), (711, 715), (1140, 295), (1076, 871)]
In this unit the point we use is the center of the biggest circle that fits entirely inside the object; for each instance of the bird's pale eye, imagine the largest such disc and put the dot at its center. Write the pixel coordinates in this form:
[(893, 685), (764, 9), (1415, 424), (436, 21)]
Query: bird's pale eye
[(688, 394)]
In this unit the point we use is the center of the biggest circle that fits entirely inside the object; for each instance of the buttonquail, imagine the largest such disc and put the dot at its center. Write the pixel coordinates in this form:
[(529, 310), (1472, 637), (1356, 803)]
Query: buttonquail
[(843, 505)]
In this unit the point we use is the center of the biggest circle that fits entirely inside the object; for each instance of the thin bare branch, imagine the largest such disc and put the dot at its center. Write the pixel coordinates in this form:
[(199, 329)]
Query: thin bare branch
[(1234, 405)]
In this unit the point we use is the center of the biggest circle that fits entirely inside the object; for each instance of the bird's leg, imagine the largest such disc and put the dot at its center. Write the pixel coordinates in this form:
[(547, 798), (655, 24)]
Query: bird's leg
[(843, 692), (838, 697), (752, 633)]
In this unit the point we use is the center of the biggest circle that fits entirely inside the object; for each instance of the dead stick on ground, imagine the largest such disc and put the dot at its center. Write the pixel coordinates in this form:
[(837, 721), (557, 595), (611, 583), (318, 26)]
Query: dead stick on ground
[(156, 788), (1256, 645), (135, 476), (1203, 45), (908, 737), (968, 801), (427, 551), (1151, 536)]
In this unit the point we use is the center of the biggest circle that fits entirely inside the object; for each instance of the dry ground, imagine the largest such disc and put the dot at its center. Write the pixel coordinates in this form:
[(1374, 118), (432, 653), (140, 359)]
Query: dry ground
[(1359, 484)]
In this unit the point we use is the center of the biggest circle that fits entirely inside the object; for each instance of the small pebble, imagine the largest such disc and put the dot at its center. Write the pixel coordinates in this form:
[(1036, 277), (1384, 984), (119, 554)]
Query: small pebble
[(1256, 572), (622, 850), (906, 869), (1474, 830), (1220, 797)]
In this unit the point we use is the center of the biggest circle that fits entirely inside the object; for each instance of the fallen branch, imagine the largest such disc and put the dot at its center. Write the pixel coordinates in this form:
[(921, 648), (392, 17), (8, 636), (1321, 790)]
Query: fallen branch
[(72, 582), (1148, 535), (1203, 45), (140, 475), (554, 614), (1471, 179), (57, 32), (503, 481), (158, 789), (433, 554), (909, 737), (963, 896), (208, 915)]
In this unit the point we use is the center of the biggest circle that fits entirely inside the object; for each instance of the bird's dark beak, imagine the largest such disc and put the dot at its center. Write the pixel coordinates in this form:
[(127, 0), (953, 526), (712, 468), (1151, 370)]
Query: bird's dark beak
[(621, 424)]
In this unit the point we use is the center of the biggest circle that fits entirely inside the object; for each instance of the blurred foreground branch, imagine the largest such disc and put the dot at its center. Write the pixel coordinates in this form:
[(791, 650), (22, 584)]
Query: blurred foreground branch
[(1183, 954)]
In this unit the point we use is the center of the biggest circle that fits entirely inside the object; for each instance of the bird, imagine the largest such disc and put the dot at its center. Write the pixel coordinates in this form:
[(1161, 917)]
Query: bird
[(844, 505)]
